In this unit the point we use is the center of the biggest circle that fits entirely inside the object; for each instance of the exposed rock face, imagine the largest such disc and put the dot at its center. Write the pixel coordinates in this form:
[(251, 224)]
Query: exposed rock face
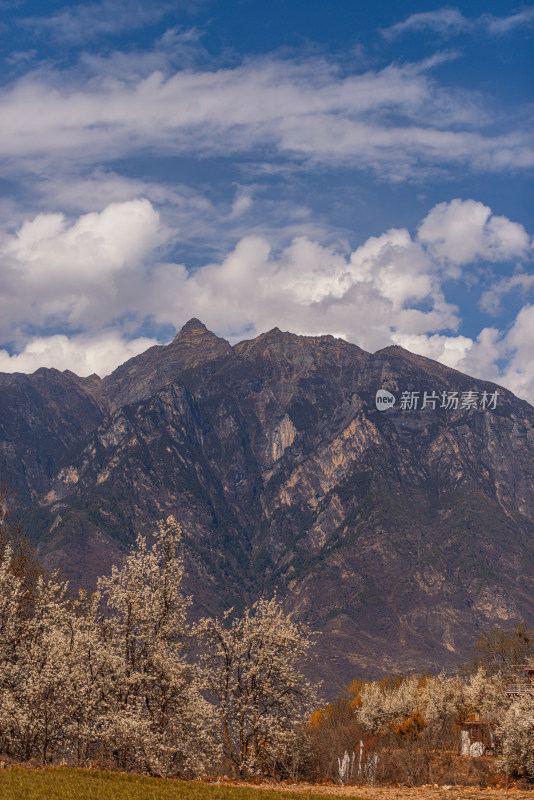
[(398, 534), (43, 417)]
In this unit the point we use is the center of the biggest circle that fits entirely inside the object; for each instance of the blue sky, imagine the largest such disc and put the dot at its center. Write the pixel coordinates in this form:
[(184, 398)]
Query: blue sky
[(358, 169)]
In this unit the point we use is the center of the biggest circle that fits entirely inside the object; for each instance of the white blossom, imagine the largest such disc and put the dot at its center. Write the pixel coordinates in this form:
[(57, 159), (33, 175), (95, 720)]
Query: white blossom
[(153, 710), (253, 673), (516, 735)]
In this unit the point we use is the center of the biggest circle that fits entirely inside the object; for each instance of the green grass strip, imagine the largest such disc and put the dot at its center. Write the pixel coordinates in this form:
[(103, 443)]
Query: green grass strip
[(72, 784)]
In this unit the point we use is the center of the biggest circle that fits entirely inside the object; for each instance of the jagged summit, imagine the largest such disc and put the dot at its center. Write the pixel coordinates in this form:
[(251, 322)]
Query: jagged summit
[(192, 326), (194, 322), (276, 343), (158, 366)]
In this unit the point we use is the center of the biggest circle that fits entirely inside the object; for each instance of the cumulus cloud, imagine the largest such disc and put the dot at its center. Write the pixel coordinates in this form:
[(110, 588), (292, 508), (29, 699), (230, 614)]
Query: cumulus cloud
[(504, 357), (104, 271), (516, 348), (449, 350), (103, 267), (311, 288), (95, 245), (77, 272), (464, 231)]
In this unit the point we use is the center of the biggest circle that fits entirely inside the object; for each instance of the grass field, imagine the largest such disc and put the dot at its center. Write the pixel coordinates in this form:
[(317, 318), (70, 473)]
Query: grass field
[(72, 784)]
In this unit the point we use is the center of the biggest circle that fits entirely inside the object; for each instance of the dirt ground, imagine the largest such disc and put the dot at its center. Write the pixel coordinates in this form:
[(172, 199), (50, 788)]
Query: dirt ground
[(407, 793)]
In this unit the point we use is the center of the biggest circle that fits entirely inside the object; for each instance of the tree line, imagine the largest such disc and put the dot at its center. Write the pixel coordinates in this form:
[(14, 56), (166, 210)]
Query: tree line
[(408, 728), (121, 677)]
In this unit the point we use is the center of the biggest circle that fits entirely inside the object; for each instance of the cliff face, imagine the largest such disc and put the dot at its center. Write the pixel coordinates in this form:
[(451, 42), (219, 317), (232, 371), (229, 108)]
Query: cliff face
[(397, 533)]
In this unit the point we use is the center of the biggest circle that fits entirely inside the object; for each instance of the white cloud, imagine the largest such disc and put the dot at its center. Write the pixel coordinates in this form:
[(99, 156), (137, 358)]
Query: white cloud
[(396, 121), (85, 21), (177, 48), (189, 213), (103, 271), (95, 270), (76, 273), (445, 21), (518, 375), (502, 357), (84, 355), (449, 21), (491, 299), (96, 245), (449, 350), (464, 231), (241, 204), (502, 25), (310, 288)]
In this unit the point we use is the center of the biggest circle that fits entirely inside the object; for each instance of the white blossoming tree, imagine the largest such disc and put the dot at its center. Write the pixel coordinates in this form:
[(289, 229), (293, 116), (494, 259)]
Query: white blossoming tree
[(10, 632), (34, 686), (516, 735), (153, 713), (113, 674), (413, 717), (252, 666)]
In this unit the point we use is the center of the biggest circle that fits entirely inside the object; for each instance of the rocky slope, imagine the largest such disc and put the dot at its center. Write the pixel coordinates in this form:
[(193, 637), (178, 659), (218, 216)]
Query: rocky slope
[(398, 534)]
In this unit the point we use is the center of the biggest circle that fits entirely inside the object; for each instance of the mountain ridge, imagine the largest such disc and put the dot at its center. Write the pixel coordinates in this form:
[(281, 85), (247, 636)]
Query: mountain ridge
[(406, 526)]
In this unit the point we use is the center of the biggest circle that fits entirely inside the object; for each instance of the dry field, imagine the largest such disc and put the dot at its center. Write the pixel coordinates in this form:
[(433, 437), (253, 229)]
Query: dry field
[(406, 793)]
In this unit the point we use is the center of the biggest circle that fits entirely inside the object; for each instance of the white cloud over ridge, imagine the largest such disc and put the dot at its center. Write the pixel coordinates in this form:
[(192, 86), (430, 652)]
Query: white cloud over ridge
[(82, 354), (103, 273), (480, 357)]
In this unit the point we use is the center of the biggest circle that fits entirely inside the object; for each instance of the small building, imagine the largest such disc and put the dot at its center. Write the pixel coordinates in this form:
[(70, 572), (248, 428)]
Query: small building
[(476, 736)]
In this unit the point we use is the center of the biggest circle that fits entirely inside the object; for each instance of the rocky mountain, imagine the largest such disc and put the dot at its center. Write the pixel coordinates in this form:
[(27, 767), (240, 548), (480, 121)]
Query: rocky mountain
[(396, 530)]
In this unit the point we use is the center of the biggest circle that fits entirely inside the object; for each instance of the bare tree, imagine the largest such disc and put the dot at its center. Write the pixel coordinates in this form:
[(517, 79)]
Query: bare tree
[(503, 650)]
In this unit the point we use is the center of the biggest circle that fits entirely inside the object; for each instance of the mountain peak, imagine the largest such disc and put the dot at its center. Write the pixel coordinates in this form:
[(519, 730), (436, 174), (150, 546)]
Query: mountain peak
[(145, 374), (195, 342), (193, 326)]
